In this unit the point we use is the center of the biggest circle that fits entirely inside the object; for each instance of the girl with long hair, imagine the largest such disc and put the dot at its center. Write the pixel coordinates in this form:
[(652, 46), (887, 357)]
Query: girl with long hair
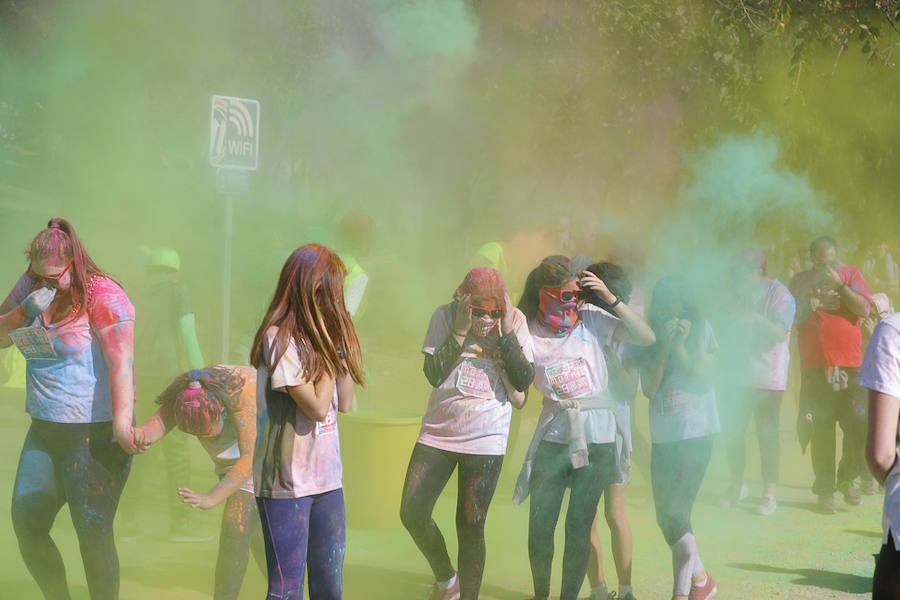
[(218, 406), (579, 440), (478, 360), (676, 375), (307, 358), (75, 326)]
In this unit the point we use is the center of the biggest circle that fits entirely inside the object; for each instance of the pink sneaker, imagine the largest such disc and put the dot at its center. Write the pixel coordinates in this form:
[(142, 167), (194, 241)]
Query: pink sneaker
[(451, 593), (702, 592)]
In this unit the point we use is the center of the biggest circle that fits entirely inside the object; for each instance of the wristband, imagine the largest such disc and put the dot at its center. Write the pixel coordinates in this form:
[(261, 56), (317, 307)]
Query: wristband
[(616, 303)]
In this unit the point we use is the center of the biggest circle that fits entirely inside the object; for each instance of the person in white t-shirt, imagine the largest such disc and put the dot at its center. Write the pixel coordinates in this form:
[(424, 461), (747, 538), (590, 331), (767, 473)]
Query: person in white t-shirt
[(307, 358), (760, 324), (579, 438), (478, 359), (676, 375), (880, 373)]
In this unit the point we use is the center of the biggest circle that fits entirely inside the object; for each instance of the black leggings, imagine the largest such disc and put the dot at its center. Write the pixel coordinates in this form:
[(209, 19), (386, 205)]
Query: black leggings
[(552, 473), (676, 472), (428, 472), (78, 463), (886, 581)]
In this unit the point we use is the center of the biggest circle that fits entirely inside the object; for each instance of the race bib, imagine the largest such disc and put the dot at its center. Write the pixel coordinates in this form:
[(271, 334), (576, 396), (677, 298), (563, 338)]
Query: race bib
[(329, 425), (477, 377), (33, 342), (677, 401), (569, 379)]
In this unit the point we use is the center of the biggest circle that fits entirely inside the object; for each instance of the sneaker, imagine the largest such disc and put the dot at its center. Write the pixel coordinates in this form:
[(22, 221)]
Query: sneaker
[(600, 593), (450, 593), (628, 596), (826, 504), (707, 590), (734, 495), (766, 506), (851, 496)]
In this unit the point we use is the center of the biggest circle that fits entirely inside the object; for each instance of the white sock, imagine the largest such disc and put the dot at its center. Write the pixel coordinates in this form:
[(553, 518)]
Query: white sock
[(599, 592), (624, 590), (684, 552), (698, 570), (444, 585)]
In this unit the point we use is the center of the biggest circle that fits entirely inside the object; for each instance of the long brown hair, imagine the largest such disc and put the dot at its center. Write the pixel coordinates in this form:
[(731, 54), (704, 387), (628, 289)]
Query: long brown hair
[(59, 241), (308, 308)]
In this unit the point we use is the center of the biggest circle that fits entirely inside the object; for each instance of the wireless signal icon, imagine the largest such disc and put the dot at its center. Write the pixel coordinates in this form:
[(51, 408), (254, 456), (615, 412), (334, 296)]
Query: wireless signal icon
[(234, 133)]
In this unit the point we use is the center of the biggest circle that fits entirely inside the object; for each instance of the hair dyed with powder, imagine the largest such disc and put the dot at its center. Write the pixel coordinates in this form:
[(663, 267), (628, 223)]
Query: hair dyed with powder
[(308, 308)]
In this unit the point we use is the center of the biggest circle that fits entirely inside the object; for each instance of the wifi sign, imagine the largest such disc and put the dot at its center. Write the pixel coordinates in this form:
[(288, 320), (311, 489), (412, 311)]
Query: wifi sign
[(234, 133)]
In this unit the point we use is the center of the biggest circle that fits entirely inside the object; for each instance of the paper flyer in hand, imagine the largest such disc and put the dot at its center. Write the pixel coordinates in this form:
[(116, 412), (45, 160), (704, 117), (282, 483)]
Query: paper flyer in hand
[(33, 342)]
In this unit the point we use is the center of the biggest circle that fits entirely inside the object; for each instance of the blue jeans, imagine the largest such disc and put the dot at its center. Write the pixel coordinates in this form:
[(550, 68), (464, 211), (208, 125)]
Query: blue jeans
[(304, 530)]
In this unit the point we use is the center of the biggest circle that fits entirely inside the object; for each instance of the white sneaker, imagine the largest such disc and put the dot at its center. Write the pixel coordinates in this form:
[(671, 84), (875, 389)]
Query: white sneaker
[(766, 506)]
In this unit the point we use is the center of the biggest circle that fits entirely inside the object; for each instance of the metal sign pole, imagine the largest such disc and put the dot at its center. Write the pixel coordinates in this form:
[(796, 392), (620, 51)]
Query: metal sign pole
[(226, 278)]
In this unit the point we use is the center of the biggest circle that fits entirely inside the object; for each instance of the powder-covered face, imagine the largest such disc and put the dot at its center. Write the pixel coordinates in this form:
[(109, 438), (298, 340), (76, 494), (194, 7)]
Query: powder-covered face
[(483, 325), (45, 273), (556, 313)]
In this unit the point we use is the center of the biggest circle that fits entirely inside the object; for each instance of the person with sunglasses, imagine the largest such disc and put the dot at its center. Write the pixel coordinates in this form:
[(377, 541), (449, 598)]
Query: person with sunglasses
[(478, 360), (75, 325), (578, 438)]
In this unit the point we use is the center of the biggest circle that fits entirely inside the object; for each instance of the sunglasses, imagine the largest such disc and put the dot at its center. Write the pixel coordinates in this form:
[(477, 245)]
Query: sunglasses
[(566, 295), (47, 280), (480, 311)]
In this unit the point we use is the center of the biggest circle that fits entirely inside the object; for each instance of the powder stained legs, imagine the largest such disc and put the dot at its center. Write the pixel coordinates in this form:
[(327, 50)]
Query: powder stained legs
[(552, 474), (428, 472), (81, 464), (299, 531)]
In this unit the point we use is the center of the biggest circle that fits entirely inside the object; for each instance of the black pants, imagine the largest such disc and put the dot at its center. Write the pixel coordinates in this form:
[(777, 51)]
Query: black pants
[(765, 407), (428, 472), (676, 472), (78, 463), (551, 474), (886, 581), (829, 407)]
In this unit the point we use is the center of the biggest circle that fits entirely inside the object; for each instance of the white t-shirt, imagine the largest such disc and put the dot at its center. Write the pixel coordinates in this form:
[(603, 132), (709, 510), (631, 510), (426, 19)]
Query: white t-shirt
[(573, 366), (469, 412), (683, 407), (301, 457), (880, 371), (769, 369)]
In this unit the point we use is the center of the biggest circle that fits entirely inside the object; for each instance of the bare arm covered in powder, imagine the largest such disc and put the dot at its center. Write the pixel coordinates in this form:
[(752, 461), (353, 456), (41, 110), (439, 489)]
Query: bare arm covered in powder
[(243, 415), (117, 343)]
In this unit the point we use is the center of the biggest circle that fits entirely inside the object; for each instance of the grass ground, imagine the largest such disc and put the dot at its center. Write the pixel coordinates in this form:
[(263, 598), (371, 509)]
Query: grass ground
[(796, 553)]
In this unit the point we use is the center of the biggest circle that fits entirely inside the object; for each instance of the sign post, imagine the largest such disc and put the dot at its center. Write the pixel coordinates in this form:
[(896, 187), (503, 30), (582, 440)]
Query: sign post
[(234, 151)]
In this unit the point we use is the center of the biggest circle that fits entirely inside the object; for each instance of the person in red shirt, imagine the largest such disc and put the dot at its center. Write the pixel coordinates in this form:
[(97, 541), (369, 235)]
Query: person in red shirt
[(831, 298)]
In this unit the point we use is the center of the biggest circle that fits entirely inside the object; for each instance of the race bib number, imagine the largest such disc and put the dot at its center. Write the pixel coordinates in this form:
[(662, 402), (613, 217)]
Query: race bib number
[(33, 342), (329, 425), (477, 377), (569, 379)]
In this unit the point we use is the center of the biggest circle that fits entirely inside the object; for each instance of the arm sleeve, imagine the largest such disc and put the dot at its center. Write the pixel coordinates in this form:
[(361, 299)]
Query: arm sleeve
[(439, 365), (881, 367), (440, 347), (289, 371), (518, 355)]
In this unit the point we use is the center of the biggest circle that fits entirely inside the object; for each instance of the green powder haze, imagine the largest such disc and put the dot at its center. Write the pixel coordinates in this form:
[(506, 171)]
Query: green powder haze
[(549, 127)]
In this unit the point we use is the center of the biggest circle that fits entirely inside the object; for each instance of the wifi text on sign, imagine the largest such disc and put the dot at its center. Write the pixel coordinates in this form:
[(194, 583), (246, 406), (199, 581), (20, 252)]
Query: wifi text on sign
[(234, 133)]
